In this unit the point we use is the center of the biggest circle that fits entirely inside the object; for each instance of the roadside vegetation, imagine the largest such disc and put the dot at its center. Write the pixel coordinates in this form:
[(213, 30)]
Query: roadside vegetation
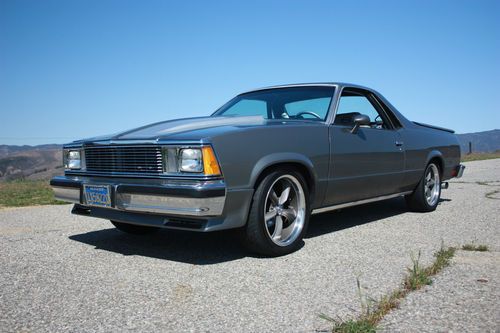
[(480, 156), (20, 193), (474, 247), (373, 311)]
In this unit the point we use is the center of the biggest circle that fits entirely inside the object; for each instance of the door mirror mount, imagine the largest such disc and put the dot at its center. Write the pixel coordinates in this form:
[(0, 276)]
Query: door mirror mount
[(360, 120)]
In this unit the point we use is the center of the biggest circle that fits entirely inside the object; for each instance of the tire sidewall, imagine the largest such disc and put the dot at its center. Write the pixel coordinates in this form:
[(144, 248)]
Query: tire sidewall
[(422, 188), (263, 188)]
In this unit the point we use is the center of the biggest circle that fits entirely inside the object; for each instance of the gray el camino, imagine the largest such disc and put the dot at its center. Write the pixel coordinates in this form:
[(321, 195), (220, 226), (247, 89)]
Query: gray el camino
[(262, 163)]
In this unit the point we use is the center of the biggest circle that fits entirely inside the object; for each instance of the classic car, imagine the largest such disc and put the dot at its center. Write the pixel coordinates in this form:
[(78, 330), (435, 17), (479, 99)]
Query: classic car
[(262, 163)]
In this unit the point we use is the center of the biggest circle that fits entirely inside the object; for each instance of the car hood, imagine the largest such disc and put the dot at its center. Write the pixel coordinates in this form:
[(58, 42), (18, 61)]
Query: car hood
[(170, 128)]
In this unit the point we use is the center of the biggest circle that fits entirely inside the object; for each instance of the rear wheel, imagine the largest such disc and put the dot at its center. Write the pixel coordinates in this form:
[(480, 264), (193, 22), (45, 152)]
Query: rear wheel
[(133, 228), (279, 214), (425, 197)]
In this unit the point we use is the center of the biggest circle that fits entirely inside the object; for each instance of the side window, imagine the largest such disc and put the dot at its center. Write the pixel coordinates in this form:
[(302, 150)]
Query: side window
[(394, 120), (309, 108), (248, 107), (352, 104)]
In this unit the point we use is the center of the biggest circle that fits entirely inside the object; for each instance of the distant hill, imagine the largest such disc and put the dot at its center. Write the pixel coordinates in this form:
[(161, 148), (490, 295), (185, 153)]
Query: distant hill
[(482, 142), (30, 162)]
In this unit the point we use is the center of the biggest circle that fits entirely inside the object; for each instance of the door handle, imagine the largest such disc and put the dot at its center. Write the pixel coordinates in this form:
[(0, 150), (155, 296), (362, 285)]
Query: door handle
[(399, 143)]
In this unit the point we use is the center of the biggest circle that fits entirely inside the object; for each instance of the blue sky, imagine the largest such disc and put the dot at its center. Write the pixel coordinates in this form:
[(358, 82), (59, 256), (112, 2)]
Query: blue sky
[(73, 69)]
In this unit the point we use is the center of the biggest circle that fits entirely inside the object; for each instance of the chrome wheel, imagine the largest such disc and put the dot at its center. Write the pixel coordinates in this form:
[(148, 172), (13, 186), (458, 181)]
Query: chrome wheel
[(285, 210), (432, 186)]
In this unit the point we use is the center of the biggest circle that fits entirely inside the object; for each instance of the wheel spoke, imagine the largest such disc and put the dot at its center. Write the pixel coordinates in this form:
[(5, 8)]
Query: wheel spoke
[(273, 197), (287, 231), (270, 215), (278, 228), (289, 214), (431, 183), (284, 196)]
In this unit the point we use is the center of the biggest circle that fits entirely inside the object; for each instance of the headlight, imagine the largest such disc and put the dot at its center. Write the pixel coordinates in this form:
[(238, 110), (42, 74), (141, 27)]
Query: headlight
[(72, 159), (190, 160), (178, 160)]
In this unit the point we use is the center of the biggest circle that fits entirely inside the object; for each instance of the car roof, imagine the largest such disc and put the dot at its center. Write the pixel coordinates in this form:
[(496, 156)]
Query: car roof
[(317, 84), (340, 86)]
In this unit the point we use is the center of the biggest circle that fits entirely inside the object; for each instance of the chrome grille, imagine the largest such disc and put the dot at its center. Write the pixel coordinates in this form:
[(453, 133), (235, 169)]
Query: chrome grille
[(124, 159)]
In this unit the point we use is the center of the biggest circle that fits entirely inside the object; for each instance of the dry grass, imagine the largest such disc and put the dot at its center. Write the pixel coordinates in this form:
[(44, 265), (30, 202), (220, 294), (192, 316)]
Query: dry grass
[(480, 156), (26, 193), (474, 247)]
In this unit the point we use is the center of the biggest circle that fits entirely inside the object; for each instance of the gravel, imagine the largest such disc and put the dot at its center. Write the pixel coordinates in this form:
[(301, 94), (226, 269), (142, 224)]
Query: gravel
[(60, 272)]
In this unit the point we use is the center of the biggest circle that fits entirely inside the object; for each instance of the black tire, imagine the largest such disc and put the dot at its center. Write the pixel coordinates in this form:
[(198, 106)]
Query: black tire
[(418, 201), (134, 229), (256, 234)]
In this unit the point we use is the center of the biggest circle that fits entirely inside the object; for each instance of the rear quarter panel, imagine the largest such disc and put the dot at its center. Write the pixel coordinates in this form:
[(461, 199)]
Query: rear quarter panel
[(421, 145)]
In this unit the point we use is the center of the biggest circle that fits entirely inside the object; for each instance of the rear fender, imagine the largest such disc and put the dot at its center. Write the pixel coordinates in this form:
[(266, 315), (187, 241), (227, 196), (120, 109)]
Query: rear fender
[(435, 154)]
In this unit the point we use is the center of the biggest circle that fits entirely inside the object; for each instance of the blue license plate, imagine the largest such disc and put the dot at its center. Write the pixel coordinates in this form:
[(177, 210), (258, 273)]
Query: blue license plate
[(97, 195)]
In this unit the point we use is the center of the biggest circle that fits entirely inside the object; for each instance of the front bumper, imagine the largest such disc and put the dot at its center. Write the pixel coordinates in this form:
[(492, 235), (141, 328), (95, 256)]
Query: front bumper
[(187, 198), (205, 205)]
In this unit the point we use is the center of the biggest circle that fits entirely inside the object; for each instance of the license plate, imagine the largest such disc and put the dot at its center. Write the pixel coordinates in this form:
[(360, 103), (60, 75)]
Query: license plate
[(97, 195)]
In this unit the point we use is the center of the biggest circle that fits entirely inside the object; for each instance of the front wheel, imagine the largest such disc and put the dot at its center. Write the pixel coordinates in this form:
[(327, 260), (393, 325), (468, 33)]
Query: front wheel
[(279, 214), (425, 197), (133, 228)]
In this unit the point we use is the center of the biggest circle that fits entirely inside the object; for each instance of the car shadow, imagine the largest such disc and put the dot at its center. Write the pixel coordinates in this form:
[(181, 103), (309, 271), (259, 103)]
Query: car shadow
[(175, 245), (217, 247)]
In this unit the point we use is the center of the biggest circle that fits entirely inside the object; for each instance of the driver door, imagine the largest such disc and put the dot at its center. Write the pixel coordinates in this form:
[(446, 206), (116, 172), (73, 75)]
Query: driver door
[(369, 162)]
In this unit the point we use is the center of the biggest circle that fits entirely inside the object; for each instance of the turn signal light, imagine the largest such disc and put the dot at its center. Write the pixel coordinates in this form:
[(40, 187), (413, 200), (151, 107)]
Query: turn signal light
[(210, 164)]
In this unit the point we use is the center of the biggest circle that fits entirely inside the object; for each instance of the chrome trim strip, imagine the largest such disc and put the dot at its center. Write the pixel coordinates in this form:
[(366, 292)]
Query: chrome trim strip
[(140, 175), (68, 194), (132, 142), (139, 142), (360, 202), (170, 205)]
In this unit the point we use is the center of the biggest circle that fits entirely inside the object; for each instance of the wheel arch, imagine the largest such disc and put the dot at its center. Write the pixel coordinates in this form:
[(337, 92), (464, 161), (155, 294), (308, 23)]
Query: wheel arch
[(437, 157), (281, 160)]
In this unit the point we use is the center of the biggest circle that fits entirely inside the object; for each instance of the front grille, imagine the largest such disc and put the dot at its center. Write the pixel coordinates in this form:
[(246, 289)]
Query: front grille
[(124, 159)]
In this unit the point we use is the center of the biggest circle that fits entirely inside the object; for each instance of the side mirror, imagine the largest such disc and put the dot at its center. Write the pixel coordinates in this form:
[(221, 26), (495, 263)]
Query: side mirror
[(360, 120)]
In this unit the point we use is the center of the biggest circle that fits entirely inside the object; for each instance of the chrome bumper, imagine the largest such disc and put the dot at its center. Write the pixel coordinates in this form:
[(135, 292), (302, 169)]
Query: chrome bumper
[(190, 198), (170, 205), (68, 194)]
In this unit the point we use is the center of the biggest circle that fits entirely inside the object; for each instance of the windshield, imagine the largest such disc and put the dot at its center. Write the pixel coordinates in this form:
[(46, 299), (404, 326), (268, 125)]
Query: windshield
[(310, 103)]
